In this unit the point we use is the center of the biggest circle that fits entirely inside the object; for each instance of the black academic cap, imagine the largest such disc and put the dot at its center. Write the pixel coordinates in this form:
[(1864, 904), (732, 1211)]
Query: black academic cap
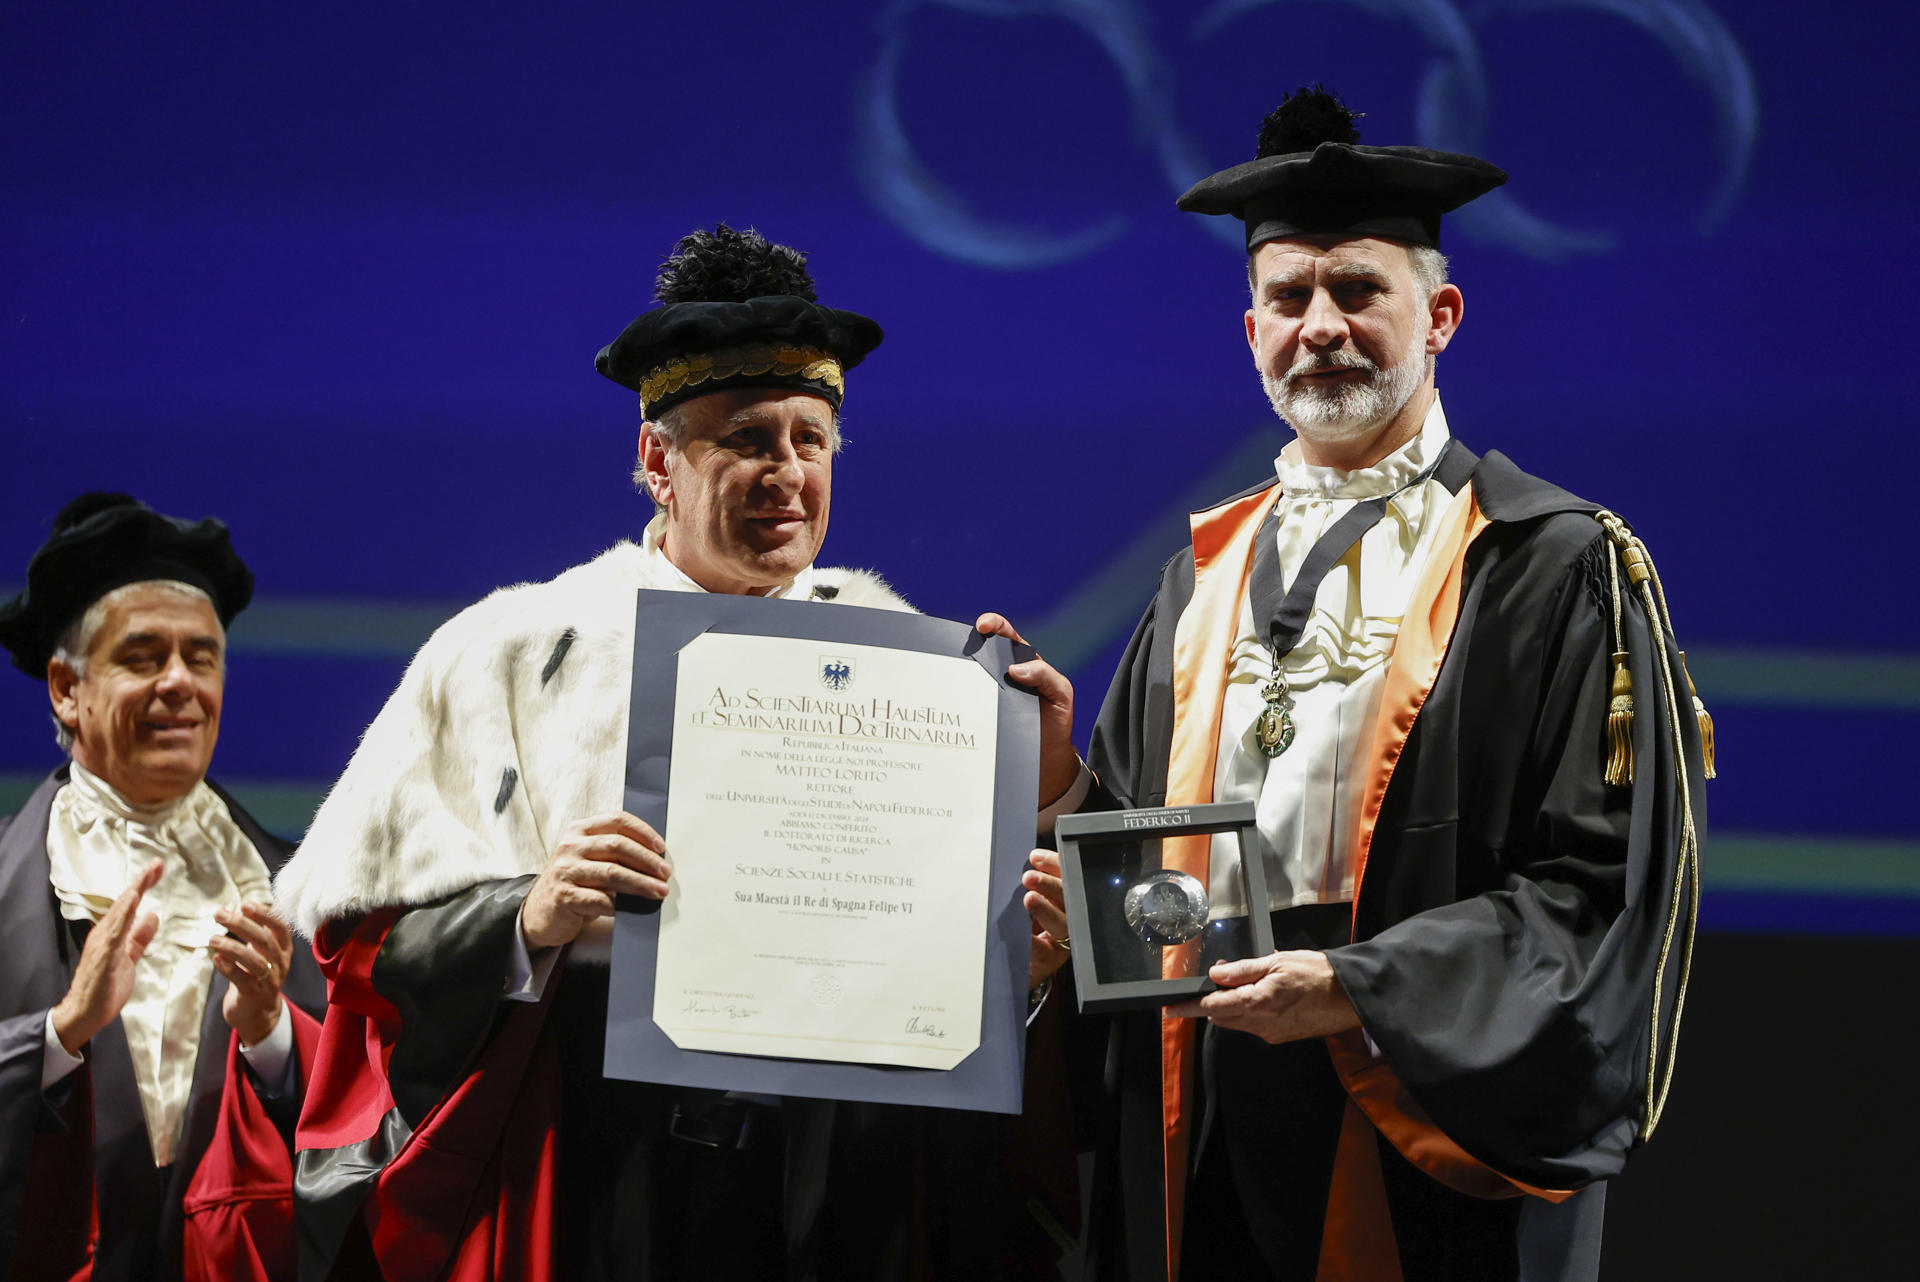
[(738, 311), (102, 541), (1311, 177)]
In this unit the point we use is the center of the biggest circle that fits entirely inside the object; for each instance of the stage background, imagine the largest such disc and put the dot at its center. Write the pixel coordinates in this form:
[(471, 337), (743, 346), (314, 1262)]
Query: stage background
[(338, 276)]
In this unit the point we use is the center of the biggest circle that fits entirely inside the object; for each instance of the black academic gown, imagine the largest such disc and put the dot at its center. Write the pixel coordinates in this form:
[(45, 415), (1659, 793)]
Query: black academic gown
[(1503, 949), (138, 1204)]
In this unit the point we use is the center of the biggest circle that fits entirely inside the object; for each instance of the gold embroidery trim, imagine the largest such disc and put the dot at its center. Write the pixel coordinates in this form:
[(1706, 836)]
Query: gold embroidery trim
[(738, 362)]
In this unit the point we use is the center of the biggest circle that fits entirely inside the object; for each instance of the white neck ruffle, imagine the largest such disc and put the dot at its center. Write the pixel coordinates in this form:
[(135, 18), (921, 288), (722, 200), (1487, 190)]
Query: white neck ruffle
[(97, 843), (1393, 473)]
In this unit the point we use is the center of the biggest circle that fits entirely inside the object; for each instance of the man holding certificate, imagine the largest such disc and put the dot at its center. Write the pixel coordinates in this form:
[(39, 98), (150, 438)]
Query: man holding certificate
[(459, 880)]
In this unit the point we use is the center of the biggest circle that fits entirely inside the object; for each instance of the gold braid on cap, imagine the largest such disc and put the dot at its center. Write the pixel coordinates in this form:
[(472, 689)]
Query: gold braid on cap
[(1643, 581), (738, 362)]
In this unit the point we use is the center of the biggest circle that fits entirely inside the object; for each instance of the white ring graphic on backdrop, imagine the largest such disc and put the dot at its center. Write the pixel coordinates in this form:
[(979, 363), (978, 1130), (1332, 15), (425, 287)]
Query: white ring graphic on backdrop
[(1451, 113)]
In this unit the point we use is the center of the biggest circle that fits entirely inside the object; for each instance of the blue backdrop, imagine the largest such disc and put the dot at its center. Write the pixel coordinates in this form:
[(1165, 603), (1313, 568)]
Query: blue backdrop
[(338, 276)]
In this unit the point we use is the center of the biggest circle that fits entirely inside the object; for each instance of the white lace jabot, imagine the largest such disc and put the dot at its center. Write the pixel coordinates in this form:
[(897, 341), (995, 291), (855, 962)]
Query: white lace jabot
[(97, 843), (1301, 480), (1308, 799)]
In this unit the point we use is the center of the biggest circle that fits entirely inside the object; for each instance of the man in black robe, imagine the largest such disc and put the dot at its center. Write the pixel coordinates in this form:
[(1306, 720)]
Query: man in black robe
[(1451, 691), (151, 1032)]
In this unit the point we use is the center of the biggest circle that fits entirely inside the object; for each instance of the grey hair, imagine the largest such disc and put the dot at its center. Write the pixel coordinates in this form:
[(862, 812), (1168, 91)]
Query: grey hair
[(670, 429), (1429, 268), (77, 638)]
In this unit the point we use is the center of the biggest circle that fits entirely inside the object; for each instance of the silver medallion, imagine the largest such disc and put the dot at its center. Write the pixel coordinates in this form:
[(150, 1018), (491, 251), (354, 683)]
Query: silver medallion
[(1166, 907)]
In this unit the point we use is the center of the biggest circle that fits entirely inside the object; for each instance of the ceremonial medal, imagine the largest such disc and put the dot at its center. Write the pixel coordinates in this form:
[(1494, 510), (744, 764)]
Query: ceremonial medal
[(1274, 731), (1166, 907)]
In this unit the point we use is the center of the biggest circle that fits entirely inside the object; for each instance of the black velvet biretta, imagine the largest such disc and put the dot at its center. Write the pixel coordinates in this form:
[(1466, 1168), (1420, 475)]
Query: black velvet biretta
[(103, 541), (1312, 177), (738, 312)]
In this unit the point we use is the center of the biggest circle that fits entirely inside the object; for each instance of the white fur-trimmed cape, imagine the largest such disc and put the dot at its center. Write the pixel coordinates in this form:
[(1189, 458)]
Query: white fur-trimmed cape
[(510, 724)]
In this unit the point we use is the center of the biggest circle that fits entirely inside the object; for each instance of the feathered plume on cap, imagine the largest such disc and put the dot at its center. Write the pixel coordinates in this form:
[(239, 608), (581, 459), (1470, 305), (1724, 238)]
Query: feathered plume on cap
[(737, 311), (1311, 176), (1304, 119), (728, 266), (104, 540)]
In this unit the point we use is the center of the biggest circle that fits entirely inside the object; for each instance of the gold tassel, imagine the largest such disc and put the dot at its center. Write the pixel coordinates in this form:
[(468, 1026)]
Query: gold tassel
[(1702, 717), (1620, 725)]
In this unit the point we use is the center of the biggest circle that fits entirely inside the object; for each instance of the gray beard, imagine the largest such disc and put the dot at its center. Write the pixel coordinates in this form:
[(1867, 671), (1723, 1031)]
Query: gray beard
[(1346, 412)]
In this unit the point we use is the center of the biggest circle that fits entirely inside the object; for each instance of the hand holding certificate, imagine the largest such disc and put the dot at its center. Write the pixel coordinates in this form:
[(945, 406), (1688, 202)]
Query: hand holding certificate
[(848, 798)]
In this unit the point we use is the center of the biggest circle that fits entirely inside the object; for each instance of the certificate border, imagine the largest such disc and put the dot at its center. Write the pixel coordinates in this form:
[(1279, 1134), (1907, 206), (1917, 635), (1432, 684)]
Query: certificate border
[(988, 1079)]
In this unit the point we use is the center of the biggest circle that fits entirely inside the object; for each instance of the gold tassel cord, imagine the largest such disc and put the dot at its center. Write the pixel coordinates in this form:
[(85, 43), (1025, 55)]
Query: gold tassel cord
[(1686, 873), (1702, 719), (1619, 771), (1686, 881), (1689, 867)]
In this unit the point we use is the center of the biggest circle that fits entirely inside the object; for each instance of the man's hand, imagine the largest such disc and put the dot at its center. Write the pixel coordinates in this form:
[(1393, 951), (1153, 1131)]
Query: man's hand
[(1046, 904), (1059, 763), (1282, 997), (254, 955), (103, 980), (597, 859)]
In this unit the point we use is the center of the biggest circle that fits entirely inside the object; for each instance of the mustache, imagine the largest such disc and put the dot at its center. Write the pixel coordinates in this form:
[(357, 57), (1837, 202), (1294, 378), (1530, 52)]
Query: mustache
[(1326, 364)]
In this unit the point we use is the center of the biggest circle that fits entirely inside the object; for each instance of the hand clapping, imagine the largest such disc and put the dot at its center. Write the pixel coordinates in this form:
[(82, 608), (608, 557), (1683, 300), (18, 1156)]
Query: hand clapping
[(254, 955), (103, 980)]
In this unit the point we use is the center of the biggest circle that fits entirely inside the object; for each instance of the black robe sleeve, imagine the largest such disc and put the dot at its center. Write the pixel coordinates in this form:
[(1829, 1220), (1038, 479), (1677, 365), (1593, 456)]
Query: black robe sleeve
[(1127, 750), (1514, 1003), (425, 984), (35, 974), (23, 1112)]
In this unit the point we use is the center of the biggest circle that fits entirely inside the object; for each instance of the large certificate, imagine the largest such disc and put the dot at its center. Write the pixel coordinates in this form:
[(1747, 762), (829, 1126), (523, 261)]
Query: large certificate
[(847, 797), (836, 806)]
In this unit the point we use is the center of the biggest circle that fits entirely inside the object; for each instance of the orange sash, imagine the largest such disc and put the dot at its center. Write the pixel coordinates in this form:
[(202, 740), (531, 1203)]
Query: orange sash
[(1202, 645)]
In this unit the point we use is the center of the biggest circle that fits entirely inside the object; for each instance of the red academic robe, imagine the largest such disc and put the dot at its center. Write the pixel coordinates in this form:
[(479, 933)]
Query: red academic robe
[(431, 1110), (437, 1136)]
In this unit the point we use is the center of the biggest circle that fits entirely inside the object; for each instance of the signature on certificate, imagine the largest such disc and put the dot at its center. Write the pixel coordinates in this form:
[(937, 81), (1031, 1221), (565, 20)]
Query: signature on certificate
[(694, 1006)]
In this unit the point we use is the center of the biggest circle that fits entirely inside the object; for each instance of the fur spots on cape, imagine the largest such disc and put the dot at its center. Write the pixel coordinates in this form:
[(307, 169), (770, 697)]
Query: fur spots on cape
[(528, 685)]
